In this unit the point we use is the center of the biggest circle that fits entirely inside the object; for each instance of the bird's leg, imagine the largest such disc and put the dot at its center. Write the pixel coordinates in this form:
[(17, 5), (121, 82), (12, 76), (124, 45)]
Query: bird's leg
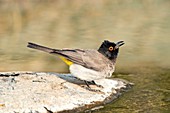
[(86, 82), (89, 88), (100, 86)]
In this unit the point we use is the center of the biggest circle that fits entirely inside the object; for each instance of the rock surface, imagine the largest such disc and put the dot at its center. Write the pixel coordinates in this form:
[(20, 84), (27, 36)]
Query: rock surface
[(38, 92)]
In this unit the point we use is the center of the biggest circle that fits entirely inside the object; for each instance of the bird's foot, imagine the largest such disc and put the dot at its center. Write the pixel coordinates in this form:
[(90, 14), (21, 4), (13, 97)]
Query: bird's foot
[(93, 83), (100, 86), (93, 90)]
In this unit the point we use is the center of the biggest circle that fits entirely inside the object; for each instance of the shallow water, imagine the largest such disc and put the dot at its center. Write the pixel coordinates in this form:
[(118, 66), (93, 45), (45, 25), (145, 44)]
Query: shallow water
[(143, 25), (150, 94)]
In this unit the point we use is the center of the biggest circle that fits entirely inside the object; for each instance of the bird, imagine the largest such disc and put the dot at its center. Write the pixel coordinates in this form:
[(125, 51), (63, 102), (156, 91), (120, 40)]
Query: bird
[(87, 65)]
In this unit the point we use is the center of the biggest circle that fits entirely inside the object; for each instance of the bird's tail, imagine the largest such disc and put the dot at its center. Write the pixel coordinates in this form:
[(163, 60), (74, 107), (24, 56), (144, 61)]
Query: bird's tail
[(51, 51), (39, 47)]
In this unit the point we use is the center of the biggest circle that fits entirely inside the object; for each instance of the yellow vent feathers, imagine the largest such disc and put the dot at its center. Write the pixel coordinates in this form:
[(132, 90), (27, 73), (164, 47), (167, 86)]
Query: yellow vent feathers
[(66, 61)]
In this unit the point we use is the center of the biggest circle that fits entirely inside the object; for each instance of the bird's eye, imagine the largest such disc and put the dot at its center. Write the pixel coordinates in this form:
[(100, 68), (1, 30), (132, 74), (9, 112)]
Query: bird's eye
[(110, 48)]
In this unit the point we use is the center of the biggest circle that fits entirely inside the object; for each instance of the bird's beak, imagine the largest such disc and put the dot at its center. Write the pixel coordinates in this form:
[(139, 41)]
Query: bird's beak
[(118, 44)]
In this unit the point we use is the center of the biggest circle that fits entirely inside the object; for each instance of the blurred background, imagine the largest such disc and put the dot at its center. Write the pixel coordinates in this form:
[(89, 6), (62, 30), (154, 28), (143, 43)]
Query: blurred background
[(144, 25)]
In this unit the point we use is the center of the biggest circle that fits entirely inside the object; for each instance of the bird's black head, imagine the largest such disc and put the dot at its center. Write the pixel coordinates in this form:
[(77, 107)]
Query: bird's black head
[(110, 49)]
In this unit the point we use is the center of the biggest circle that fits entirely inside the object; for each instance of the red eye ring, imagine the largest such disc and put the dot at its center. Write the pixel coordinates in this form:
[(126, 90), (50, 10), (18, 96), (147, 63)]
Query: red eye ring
[(110, 48)]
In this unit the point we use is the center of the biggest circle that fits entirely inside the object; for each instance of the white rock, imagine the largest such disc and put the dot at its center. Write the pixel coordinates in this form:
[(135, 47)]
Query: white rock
[(34, 92)]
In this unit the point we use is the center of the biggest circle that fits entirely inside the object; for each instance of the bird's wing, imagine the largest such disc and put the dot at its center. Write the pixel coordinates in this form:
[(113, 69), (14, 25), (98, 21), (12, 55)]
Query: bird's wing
[(95, 60), (91, 59), (73, 55)]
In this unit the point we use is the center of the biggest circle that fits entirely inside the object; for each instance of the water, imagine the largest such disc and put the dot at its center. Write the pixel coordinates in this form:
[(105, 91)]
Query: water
[(151, 93), (143, 25)]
